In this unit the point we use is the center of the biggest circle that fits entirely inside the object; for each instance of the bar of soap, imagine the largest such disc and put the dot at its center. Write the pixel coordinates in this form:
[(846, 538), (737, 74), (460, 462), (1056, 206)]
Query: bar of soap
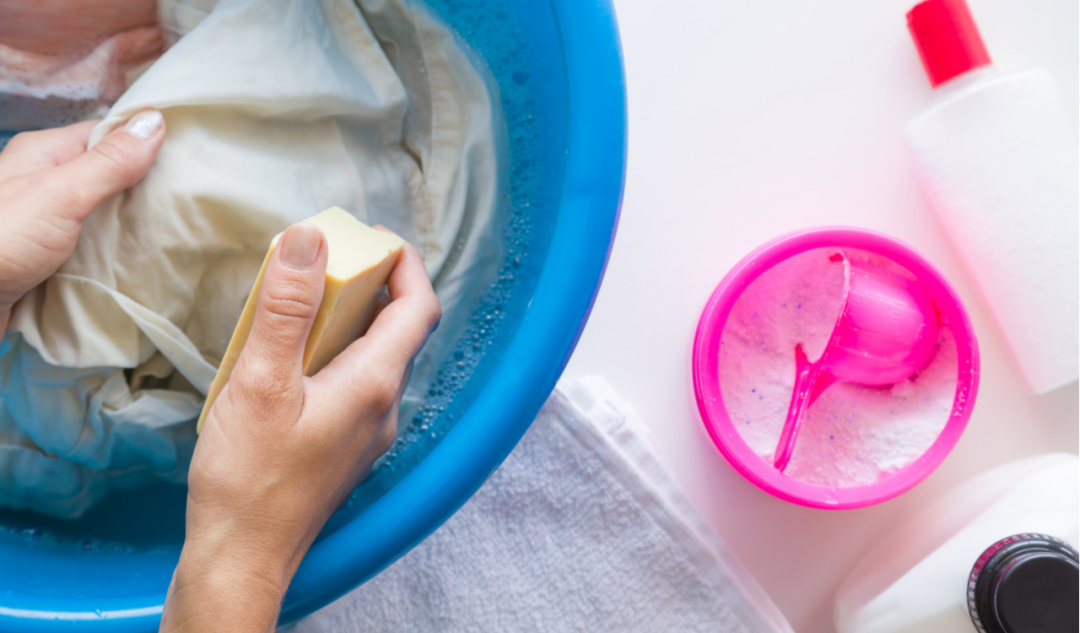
[(359, 263)]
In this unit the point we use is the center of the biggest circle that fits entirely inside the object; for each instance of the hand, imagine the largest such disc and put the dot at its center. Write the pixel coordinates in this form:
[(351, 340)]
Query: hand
[(279, 452), (49, 184), (68, 27)]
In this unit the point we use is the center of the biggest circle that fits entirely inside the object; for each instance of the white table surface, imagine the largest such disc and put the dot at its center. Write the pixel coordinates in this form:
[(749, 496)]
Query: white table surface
[(752, 118)]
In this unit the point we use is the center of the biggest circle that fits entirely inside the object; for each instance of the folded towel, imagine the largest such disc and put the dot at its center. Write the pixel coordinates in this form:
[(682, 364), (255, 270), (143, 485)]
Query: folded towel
[(580, 529)]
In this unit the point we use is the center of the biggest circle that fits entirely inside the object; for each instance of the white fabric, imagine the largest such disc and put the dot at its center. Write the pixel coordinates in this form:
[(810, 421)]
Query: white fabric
[(580, 529), (275, 111), (179, 17)]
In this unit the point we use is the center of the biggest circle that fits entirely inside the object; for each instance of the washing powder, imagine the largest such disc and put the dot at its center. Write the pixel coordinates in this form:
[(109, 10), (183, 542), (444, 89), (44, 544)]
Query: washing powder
[(274, 111), (852, 435)]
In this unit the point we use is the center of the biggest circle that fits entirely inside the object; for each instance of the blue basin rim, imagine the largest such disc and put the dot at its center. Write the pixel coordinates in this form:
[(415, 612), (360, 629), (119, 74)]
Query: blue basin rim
[(507, 404)]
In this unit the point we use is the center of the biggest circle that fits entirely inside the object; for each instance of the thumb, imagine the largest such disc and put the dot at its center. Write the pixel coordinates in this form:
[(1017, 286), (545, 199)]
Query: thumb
[(120, 160), (289, 299)]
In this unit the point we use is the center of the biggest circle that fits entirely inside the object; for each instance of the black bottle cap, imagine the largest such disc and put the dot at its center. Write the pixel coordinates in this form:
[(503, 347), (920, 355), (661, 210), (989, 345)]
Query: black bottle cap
[(1027, 583)]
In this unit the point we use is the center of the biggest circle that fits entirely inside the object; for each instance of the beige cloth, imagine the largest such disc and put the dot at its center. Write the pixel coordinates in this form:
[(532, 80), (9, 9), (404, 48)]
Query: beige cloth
[(275, 111)]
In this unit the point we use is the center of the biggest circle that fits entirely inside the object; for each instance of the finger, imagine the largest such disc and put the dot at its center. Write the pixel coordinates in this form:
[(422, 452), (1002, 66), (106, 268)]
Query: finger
[(120, 160), (33, 151), (410, 287), (379, 359), (380, 305), (385, 431), (402, 327), (289, 299)]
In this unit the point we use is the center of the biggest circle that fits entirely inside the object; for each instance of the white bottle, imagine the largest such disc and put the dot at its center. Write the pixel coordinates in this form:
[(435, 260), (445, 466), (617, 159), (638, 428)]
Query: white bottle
[(999, 159), (940, 573)]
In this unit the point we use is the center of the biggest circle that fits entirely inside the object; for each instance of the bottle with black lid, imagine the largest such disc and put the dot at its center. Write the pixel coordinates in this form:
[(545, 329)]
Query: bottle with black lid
[(996, 555)]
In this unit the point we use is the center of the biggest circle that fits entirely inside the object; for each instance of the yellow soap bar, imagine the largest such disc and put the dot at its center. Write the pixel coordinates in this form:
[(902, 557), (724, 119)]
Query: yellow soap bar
[(360, 260)]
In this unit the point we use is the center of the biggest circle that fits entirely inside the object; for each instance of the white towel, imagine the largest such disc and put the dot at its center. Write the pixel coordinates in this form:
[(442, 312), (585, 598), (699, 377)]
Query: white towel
[(580, 529)]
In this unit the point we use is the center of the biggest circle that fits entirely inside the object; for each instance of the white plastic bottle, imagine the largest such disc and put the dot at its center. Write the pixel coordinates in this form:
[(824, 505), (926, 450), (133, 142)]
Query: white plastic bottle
[(997, 555), (999, 159)]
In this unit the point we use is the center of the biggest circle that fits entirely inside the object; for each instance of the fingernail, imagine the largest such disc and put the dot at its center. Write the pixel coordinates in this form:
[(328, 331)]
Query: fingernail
[(144, 124), (300, 246)]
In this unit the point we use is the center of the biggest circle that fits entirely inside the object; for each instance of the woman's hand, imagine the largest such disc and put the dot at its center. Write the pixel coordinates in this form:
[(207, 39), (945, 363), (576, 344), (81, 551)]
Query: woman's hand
[(279, 452), (69, 27), (49, 184)]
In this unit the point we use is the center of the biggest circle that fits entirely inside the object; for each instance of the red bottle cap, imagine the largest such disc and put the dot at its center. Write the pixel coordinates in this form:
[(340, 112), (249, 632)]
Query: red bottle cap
[(947, 38)]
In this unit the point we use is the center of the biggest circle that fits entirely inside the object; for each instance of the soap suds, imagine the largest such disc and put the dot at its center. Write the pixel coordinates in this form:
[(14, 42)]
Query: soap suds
[(852, 435)]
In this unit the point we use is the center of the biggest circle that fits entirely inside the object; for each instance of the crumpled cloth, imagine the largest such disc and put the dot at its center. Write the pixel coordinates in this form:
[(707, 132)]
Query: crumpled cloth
[(582, 528), (179, 17), (275, 111)]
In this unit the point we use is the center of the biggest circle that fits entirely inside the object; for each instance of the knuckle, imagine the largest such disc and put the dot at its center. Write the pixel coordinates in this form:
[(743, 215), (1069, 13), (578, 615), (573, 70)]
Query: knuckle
[(114, 157), (434, 313), (290, 298), (55, 192), (382, 391), (263, 379), (21, 140), (385, 438)]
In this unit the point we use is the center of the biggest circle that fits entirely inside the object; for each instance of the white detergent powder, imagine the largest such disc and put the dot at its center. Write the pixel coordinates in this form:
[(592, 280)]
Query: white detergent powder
[(852, 435)]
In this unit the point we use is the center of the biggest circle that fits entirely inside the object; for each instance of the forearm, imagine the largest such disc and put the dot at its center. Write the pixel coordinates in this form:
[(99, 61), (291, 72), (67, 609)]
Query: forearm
[(225, 582)]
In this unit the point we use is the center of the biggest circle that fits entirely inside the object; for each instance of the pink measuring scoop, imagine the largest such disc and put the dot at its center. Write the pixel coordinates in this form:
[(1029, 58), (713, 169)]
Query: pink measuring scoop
[(885, 332)]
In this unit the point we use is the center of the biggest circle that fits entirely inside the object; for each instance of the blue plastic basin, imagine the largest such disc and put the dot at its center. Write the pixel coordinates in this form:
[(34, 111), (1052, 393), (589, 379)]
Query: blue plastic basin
[(558, 76)]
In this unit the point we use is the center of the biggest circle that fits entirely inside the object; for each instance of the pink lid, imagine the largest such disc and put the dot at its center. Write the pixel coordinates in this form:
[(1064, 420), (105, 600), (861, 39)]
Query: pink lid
[(947, 38)]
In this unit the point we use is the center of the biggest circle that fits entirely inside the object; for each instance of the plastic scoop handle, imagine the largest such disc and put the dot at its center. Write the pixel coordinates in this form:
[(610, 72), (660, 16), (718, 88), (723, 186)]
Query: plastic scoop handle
[(810, 381)]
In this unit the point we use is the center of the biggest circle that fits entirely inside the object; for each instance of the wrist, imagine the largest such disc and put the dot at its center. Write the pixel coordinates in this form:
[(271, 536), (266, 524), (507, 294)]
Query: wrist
[(225, 581)]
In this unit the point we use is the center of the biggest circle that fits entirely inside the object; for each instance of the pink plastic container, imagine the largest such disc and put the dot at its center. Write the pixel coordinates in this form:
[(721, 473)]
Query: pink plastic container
[(706, 369)]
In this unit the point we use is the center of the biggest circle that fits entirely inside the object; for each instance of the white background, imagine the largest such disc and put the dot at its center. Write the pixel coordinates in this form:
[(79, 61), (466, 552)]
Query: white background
[(752, 118)]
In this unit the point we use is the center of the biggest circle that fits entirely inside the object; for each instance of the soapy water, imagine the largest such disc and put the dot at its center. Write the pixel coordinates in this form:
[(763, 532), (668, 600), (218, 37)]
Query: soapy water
[(531, 154), (534, 153), (19, 112), (24, 113), (852, 435), (46, 538)]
